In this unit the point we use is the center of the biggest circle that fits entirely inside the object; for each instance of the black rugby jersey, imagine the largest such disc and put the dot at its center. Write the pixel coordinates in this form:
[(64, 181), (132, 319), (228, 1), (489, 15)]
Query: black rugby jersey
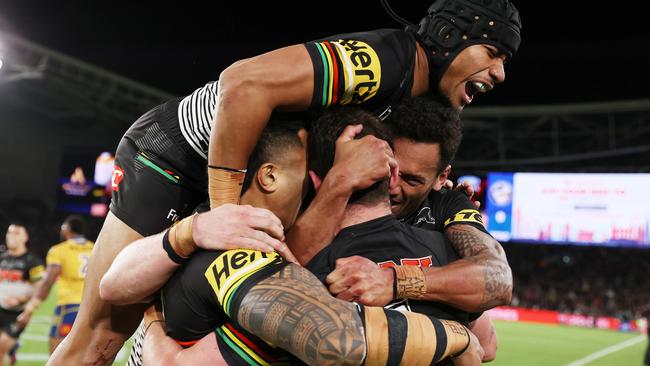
[(199, 298), (387, 241), (17, 274), (444, 208), (373, 68)]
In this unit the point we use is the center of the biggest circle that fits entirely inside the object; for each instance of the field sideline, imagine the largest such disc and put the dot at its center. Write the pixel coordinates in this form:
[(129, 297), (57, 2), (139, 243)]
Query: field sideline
[(519, 344)]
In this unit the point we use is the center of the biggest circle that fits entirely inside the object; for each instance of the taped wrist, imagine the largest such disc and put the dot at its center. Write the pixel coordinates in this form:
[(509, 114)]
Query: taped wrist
[(180, 237), (396, 338), (224, 185), (410, 282)]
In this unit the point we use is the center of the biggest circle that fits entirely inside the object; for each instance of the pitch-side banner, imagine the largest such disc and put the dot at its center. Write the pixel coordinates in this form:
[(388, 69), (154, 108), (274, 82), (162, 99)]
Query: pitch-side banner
[(602, 209)]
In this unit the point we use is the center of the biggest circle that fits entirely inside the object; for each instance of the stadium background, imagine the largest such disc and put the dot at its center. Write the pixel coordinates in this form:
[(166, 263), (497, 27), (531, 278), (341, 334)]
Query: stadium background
[(76, 74)]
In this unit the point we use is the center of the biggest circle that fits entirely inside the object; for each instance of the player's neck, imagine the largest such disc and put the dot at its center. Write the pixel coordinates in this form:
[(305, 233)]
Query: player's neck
[(420, 71), (17, 252), (359, 213)]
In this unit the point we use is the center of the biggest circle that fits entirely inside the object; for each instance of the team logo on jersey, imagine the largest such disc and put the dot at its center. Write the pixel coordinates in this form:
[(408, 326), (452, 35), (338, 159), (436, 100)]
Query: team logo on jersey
[(230, 269), (361, 69), (467, 215), (420, 262), (424, 217), (118, 175)]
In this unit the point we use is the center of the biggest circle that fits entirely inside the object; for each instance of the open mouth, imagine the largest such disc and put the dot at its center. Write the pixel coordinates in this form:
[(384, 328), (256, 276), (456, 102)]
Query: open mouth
[(474, 87)]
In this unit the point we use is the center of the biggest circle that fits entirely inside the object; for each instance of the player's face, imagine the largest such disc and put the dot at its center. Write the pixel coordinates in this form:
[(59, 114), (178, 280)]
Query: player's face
[(476, 69), (16, 237), (292, 186), (418, 171)]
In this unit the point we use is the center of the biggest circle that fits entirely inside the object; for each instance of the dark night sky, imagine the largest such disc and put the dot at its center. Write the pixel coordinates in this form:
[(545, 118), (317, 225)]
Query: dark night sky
[(567, 54)]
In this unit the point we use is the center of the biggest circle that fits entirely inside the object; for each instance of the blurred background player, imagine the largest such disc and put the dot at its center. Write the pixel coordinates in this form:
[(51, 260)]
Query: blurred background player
[(67, 262), (19, 272)]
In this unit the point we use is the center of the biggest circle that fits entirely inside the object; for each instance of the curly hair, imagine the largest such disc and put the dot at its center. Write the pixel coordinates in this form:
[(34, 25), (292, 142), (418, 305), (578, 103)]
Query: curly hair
[(428, 119)]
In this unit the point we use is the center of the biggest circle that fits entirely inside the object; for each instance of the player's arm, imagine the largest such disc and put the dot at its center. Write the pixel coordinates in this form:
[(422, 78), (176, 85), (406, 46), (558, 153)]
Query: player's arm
[(42, 291), (335, 331), (144, 266), (484, 330), (357, 165), (249, 91), (482, 279), (160, 349)]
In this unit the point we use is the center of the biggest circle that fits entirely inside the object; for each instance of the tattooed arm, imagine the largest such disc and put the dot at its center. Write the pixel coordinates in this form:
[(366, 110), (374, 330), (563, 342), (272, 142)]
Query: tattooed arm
[(480, 280), (293, 310)]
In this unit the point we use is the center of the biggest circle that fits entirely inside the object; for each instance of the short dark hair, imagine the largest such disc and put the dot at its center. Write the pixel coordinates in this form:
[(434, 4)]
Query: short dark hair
[(428, 119), (20, 223), (322, 144), (76, 224), (279, 136)]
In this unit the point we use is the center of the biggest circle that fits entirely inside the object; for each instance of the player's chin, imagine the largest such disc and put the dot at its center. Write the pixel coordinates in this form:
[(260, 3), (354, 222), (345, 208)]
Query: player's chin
[(397, 209)]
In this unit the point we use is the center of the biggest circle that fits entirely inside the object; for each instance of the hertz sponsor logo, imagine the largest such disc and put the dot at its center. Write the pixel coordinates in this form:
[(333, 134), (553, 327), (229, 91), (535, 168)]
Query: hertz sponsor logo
[(232, 267), (362, 70), (467, 215)]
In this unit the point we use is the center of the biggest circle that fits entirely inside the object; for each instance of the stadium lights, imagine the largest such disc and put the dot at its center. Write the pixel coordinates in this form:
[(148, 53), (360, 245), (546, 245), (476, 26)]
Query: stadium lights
[(0, 63)]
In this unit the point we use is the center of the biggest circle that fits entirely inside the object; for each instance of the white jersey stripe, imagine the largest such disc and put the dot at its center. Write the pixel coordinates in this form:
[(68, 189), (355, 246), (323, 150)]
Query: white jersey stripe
[(196, 115)]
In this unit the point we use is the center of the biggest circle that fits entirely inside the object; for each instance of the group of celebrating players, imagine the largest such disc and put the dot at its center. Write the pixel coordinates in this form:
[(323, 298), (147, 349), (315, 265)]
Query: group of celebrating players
[(344, 248)]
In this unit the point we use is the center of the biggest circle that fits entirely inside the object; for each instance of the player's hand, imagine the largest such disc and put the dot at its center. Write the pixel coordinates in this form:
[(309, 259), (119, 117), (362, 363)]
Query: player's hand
[(465, 187), (472, 356), (361, 280), (240, 227), (23, 319), (362, 162)]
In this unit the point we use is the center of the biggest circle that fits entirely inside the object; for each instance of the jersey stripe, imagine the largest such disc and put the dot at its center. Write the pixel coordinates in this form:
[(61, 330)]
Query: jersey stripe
[(238, 350), (252, 353), (325, 72), (348, 74), (250, 343), (335, 74), (196, 116), (328, 90)]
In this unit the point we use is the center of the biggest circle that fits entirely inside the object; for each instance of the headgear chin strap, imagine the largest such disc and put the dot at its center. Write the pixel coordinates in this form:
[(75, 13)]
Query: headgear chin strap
[(453, 25)]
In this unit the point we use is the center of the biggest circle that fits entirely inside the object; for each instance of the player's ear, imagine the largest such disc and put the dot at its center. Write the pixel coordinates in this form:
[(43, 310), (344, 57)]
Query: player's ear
[(315, 179), (442, 178), (267, 177)]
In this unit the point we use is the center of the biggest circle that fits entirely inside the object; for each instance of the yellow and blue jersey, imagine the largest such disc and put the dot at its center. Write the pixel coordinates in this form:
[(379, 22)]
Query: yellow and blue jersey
[(72, 256)]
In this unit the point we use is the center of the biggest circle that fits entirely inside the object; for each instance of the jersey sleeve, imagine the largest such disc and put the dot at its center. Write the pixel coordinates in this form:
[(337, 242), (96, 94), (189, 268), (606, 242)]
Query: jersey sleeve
[(456, 208), (365, 67), (54, 256), (36, 269), (235, 271)]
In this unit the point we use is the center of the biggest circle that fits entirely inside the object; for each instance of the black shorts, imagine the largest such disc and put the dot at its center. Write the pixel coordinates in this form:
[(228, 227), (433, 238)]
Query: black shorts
[(8, 323), (158, 178)]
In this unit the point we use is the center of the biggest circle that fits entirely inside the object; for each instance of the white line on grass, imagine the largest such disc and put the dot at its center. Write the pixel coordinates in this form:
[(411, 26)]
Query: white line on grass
[(606, 351)]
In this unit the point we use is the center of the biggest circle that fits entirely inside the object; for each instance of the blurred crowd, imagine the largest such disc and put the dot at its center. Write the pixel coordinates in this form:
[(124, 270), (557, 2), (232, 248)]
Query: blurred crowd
[(595, 281)]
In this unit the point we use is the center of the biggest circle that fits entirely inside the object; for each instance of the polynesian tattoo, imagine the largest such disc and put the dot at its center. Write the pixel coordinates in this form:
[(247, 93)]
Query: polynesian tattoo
[(478, 247), (294, 311)]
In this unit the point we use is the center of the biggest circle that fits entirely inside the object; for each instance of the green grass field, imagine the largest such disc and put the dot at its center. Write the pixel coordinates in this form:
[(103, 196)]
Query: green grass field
[(33, 349), (546, 345), (519, 344)]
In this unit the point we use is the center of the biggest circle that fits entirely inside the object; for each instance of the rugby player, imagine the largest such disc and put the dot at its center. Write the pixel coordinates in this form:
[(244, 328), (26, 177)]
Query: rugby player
[(66, 262), (160, 172), (199, 298), (19, 272)]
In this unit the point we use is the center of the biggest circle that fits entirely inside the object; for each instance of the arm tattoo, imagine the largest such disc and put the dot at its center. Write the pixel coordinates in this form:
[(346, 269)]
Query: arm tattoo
[(483, 250), (294, 311)]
